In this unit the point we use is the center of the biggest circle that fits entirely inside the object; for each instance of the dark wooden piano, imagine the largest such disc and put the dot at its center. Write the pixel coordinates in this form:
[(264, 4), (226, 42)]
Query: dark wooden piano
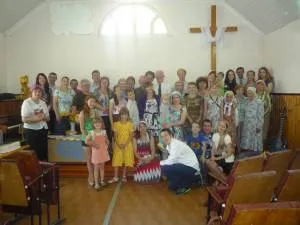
[(10, 120)]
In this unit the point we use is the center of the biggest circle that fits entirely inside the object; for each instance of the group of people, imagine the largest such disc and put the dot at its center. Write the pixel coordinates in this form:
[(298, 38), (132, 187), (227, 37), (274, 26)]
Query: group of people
[(217, 118)]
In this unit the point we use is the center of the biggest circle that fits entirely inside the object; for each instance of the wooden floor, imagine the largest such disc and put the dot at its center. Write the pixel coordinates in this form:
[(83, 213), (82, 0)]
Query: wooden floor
[(135, 204)]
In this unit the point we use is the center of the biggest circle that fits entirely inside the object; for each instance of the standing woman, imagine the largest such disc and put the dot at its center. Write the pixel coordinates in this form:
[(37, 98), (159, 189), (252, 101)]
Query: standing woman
[(35, 114), (62, 102), (202, 85), (253, 125), (151, 114), (264, 96), (213, 107), (264, 74), (41, 79), (211, 79), (103, 95), (230, 115), (241, 101), (115, 104), (177, 116), (230, 81), (86, 117), (250, 79)]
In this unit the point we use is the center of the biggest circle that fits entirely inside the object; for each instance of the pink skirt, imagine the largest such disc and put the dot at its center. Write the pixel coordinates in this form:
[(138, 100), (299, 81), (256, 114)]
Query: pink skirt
[(100, 155)]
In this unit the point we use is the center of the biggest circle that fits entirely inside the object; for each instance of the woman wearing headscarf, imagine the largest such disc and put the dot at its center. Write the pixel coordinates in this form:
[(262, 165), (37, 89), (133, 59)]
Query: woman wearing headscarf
[(253, 124), (177, 116)]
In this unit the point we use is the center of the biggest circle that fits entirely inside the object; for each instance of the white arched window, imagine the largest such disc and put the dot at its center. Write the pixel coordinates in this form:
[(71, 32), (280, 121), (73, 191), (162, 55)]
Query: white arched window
[(131, 20)]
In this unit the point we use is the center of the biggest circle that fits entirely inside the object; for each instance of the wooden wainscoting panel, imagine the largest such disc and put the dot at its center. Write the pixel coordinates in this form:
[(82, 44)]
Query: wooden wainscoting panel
[(292, 130)]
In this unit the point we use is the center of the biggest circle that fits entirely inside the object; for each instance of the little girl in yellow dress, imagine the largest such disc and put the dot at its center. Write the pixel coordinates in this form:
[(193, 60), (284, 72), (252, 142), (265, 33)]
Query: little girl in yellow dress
[(123, 153)]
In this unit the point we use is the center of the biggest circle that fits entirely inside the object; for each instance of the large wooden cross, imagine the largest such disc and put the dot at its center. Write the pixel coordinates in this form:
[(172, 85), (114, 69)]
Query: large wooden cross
[(213, 30)]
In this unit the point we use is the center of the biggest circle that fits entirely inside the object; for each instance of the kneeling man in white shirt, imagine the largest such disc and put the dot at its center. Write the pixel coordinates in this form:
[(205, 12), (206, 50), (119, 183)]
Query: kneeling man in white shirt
[(181, 167)]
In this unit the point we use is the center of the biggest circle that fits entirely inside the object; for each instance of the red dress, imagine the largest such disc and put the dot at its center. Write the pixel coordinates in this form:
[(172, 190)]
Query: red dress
[(149, 172)]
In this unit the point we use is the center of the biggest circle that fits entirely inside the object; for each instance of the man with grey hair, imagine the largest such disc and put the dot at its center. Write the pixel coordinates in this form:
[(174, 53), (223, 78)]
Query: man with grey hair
[(161, 87), (80, 96)]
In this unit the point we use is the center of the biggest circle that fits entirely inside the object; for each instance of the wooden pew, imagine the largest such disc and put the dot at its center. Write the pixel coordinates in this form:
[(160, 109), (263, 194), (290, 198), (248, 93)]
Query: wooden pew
[(289, 187), (241, 167), (249, 188), (296, 161), (281, 213), (280, 162), (18, 195)]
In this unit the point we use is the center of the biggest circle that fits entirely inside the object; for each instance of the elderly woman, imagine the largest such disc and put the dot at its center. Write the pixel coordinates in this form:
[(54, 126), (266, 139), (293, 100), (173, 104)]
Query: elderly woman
[(81, 95), (264, 96), (178, 116), (35, 114), (62, 102), (253, 125)]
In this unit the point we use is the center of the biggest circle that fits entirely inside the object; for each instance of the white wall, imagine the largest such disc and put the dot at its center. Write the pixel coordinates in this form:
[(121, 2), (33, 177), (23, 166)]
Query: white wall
[(281, 53), (2, 65), (33, 47)]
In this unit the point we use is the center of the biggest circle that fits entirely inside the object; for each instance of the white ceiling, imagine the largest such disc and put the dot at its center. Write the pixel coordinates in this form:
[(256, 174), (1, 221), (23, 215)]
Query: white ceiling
[(266, 15), (11, 11)]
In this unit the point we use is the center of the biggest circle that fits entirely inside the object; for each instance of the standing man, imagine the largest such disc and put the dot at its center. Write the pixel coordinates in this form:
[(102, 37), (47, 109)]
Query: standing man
[(161, 87), (240, 76), (181, 167), (181, 73), (96, 81), (52, 77), (141, 96)]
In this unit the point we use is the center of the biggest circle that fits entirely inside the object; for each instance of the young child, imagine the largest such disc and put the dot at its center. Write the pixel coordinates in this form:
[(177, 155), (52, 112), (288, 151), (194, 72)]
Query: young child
[(132, 108), (206, 145), (123, 154), (195, 140), (222, 158), (98, 140)]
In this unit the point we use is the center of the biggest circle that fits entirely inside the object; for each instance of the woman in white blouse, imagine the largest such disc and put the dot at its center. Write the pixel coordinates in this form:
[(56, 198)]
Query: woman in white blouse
[(35, 115)]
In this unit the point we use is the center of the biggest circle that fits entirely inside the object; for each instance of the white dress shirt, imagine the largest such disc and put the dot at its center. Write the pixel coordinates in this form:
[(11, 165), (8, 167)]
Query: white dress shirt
[(133, 112), (165, 88), (180, 152)]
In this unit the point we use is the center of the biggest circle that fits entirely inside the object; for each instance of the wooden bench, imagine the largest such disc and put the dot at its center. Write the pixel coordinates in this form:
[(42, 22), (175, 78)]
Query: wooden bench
[(289, 187), (281, 213), (249, 188)]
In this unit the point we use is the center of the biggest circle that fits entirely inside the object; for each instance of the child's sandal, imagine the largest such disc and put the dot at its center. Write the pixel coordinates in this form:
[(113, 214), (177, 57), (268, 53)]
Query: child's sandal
[(113, 180), (124, 179)]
